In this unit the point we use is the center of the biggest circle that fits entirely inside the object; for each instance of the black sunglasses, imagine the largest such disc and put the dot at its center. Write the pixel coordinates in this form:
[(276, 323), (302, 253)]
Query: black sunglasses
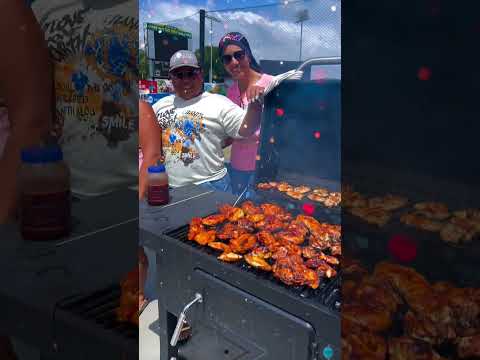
[(238, 55), (185, 74)]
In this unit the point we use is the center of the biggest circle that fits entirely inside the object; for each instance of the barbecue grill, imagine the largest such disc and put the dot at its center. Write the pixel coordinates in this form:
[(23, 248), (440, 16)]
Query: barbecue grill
[(92, 318), (434, 259), (237, 312)]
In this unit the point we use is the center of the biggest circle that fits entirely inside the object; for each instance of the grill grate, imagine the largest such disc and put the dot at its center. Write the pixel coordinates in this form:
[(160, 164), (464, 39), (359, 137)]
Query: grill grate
[(328, 293), (100, 308)]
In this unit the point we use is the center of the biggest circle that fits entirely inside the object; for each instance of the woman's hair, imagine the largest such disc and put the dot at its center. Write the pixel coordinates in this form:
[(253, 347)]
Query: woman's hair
[(235, 38)]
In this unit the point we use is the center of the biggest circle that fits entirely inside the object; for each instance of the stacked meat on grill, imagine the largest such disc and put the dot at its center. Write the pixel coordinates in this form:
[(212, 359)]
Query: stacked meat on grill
[(457, 227), (327, 198), (396, 314), (128, 309), (299, 251)]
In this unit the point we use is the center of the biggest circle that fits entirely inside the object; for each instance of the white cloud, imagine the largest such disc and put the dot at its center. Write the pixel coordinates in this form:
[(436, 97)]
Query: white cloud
[(272, 35)]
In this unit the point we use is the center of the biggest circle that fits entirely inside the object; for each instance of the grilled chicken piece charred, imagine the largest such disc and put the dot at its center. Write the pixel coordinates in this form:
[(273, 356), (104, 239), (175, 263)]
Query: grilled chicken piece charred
[(266, 238), (469, 347), (404, 348), (205, 237), (195, 228), (262, 252), (213, 220), (231, 213), (292, 271), (217, 245), (230, 231), (243, 243), (128, 310), (257, 262), (230, 257), (249, 208)]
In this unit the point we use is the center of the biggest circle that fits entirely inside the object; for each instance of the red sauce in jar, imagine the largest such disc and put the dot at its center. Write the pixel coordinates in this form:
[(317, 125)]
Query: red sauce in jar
[(158, 191)]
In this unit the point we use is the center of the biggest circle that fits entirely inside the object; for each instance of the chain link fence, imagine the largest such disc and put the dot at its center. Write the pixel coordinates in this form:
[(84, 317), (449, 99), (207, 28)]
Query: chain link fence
[(274, 30)]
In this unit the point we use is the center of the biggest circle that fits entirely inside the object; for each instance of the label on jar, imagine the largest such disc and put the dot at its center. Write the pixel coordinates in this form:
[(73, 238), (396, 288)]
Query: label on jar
[(45, 216), (158, 194)]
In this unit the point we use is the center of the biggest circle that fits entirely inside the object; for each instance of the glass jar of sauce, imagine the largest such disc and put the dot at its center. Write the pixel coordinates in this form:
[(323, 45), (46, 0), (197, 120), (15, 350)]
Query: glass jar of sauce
[(157, 186), (45, 199)]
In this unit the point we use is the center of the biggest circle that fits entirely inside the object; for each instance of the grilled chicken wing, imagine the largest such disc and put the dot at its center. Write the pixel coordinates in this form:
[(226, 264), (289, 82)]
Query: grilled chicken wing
[(262, 252), (265, 186), (257, 262), (230, 257), (286, 250), (195, 228), (267, 239), (321, 257), (292, 271), (286, 237), (255, 218), (284, 187), (321, 266), (295, 195), (243, 243), (249, 208), (469, 347), (230, 231), (302, 189), (213, 220), (246, 225), (271, 209), (236, 214), (404, 348), (205, 237), (271, 223), (336, 250), (364, 344), (128, 309), (433, 210), (219, 246), (225, 209)]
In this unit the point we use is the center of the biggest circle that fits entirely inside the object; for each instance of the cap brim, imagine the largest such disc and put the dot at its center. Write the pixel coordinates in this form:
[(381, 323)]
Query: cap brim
[(183, 65)]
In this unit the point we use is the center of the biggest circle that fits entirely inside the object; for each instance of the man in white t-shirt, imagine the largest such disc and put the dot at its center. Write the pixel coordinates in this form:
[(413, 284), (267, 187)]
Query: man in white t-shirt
[(194, 124)]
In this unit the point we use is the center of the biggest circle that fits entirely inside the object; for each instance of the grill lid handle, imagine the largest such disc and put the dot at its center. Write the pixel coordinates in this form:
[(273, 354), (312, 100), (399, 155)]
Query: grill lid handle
[(182, 317)]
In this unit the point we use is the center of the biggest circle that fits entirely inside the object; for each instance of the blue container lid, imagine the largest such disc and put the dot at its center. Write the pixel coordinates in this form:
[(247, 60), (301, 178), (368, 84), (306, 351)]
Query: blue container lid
[(156, 169), (42, 154)]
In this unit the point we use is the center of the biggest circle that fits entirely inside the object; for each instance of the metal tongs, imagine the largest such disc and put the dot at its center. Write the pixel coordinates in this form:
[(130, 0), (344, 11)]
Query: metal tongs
[(297, 74), (292, 75)]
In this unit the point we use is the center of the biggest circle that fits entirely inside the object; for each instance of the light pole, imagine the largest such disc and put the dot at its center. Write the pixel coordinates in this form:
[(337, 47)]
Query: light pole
[(212, 19), (302, 16)]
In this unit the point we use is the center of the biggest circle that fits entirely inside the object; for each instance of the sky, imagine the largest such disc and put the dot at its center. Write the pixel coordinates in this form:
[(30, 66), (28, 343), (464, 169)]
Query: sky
[(271, 31)]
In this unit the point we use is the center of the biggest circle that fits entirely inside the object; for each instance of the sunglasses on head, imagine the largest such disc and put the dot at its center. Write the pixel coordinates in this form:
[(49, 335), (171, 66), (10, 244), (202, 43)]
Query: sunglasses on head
[(185, 74), (238, 55)]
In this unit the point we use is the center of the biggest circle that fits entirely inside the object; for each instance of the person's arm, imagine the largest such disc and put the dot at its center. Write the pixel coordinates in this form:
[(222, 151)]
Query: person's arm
[(252, 119), (150, 141), (27, 86)]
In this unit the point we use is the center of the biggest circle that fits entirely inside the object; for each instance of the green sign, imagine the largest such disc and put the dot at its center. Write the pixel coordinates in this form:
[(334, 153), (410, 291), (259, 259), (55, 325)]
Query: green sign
[(169, 29)]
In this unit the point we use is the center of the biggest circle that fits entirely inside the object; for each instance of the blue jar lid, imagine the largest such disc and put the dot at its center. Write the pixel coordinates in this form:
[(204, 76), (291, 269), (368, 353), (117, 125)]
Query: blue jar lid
[(156, 169), (42, 154)]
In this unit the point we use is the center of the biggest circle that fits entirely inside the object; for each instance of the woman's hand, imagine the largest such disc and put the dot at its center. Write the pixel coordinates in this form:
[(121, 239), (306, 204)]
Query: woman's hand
[(254, 92)]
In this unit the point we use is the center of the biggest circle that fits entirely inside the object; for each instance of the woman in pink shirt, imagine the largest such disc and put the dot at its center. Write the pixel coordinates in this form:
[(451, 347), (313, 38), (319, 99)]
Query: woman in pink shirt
[(239, 62)]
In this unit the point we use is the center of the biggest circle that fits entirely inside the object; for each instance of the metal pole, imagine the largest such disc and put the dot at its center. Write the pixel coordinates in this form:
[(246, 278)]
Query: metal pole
[(202, 38), (301, 40), (211, 49)]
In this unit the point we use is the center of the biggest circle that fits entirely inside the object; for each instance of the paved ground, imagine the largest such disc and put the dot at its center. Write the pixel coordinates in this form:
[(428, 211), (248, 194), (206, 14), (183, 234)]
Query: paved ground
[(149, 340)]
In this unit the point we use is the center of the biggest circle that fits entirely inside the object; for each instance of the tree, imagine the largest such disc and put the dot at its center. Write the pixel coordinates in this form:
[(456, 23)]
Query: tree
[(218, 71), (142, 64)]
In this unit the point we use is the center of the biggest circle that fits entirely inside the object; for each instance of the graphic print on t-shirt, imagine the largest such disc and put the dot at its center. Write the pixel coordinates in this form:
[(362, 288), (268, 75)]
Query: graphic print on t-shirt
[(179, 134), (95, 75)]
